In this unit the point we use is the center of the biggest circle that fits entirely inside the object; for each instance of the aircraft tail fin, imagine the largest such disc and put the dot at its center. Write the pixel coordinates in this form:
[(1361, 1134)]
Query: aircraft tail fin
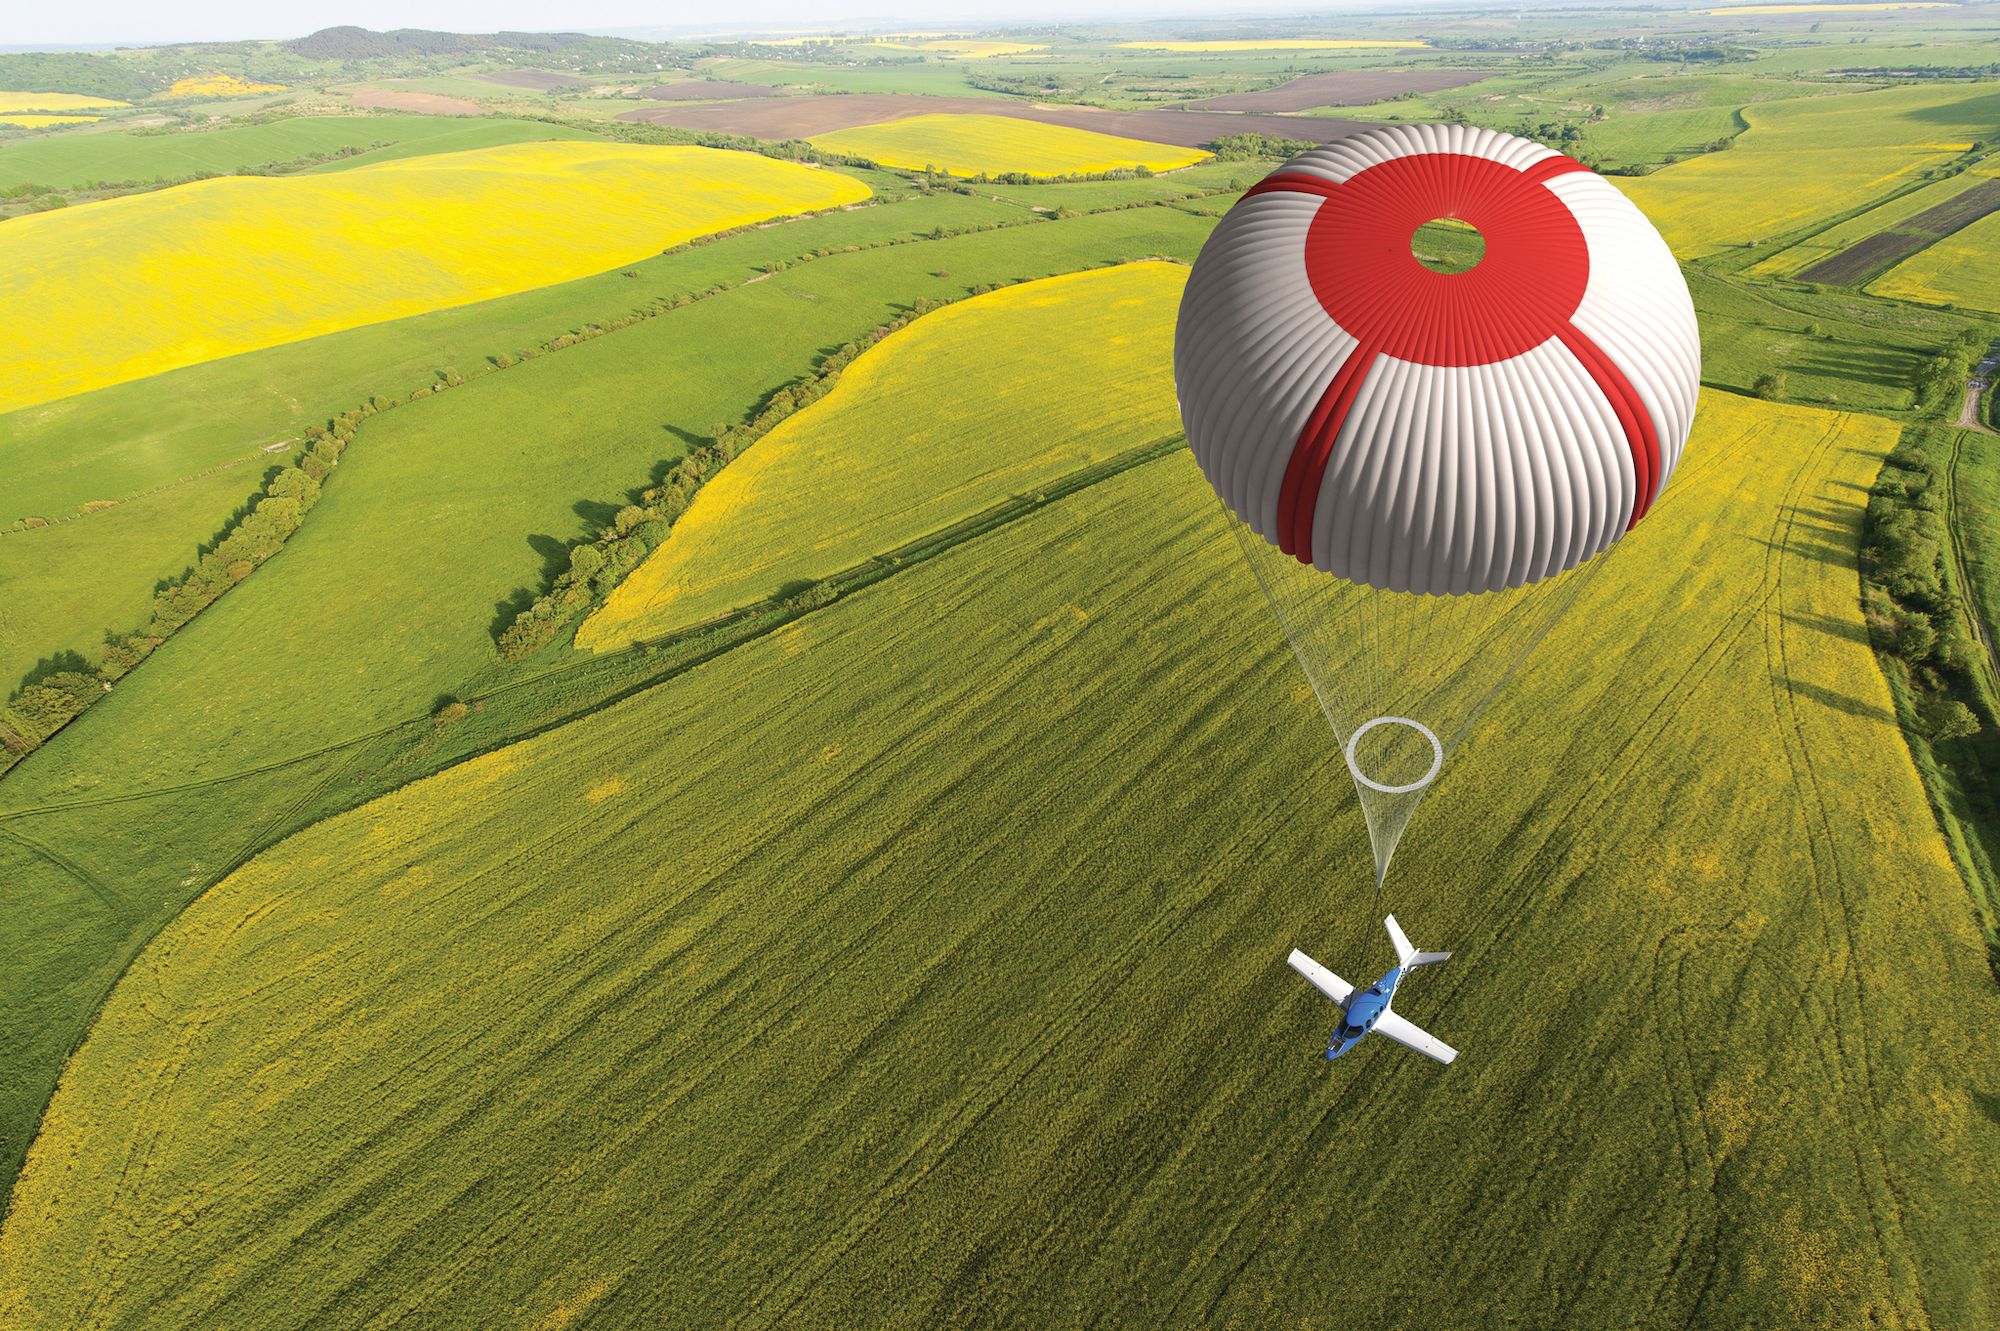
[(1406, 953)]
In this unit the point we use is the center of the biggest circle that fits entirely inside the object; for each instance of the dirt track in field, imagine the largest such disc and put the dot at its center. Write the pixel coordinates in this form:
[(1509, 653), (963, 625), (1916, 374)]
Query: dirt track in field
[(800, 117), (424, 103), (539, 80), (1870, 258), (707, 90), (1341, 88)]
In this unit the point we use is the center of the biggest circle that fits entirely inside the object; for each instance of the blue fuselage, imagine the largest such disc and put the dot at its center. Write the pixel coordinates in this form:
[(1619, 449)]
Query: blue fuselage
[(1364, 1008)]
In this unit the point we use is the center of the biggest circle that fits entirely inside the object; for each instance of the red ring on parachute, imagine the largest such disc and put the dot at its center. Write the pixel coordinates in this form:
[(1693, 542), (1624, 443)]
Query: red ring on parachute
[(1521, 294)]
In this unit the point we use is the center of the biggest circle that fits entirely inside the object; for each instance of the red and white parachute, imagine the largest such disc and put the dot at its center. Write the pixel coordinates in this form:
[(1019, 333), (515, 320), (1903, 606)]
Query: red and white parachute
[(1420, 431), (1414, 460)]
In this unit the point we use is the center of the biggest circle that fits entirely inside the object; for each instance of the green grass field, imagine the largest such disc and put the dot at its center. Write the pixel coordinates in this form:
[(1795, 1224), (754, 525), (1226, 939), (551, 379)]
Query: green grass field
[(689, 1009), (971, 404), (1829, 348), (64, 585), (73, 161)]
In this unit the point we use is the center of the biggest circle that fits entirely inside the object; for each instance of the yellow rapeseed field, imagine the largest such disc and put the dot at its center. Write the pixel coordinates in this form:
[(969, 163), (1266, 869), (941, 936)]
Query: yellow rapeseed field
[(1805, 158), (105, 292), (970, 145), (53, 101), (984, 399), (1276, 44), (220, 85), (38, 122)]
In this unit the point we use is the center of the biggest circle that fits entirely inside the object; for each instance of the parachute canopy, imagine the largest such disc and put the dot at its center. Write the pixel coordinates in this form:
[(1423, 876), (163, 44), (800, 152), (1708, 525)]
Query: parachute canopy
[(1417, 462), (1437, 432)]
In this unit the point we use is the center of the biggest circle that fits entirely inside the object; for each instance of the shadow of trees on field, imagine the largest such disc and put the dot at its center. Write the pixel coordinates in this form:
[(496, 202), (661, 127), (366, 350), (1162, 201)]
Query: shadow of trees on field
[(1863, 364), (596, 512), (1827, 624), (59, 663), (555, 559), (1839, 702), (1823, 552)]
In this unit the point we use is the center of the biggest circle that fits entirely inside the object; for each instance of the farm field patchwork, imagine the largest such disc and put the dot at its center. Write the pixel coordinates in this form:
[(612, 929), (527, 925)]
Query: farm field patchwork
[(1748, 10), (1347, 87), (971, 145), (1855, 230), (1805, 159), (1908, 237), (477, 491), (986, 398), (812, 116), (75, 161), (962, 48), (124, 443), (31, 121), (1957, 270), (375, 1065), (248, 263)]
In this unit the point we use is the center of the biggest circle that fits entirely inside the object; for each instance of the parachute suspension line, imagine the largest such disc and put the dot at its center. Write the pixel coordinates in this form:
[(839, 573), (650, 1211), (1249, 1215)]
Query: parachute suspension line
[(1402, 677)]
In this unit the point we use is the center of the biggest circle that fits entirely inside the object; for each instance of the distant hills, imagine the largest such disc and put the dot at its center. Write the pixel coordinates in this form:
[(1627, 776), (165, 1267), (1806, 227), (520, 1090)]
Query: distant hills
[(352, 43)]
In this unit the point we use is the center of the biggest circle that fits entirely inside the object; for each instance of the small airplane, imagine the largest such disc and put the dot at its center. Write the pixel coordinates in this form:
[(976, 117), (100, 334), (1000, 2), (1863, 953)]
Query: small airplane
[(1369, 1009)]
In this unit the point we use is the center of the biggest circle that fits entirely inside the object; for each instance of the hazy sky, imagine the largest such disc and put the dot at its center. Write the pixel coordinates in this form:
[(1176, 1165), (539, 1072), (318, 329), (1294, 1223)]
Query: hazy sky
[(33, 22)]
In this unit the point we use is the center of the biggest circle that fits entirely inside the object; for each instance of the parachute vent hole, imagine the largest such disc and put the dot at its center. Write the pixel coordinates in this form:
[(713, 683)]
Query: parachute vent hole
[(1447, 245)]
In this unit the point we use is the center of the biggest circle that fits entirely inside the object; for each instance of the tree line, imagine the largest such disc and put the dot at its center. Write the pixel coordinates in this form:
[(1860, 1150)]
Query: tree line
[(597, 565), (51, 700)]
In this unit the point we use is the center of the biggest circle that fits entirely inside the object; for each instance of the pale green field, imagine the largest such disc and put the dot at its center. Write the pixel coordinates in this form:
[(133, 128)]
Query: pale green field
[(921, 964), (987, 398)]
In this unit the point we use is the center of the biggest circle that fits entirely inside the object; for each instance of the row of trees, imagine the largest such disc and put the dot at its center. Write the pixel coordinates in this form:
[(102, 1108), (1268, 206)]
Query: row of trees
[(598, 565), (51, 700), (1914, 615), (1941, 383)]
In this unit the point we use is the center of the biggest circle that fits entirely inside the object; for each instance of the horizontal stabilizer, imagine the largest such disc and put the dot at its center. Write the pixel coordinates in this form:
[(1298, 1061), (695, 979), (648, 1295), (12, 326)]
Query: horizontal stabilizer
[(1320, 977)]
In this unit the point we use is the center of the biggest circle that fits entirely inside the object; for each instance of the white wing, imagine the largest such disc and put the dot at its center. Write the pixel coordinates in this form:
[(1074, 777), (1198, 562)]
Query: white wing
[(1320, 977), (1411, 1036)]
